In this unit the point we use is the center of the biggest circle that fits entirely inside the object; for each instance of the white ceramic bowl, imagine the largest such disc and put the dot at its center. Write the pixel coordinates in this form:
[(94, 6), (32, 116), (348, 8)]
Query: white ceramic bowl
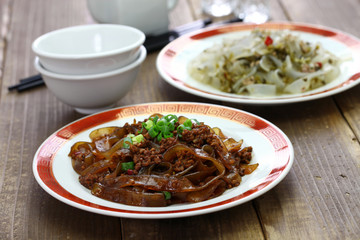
[(92, 93), (88, 49)]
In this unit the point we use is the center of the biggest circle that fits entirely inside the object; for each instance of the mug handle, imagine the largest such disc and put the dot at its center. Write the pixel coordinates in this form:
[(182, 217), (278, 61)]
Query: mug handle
[(171, 4)]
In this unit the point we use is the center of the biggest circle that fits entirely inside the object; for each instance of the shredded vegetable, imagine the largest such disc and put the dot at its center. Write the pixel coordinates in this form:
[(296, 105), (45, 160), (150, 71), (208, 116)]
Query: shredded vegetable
[(265, 63)]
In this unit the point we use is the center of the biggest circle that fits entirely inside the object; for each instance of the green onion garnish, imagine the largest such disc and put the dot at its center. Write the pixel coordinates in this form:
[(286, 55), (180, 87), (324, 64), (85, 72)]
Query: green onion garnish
[(160, 128), (148, 124), (188, 123), (167, 134), (196, 121), (137, 139), (127, 165), (154, 119), (171, 118), (159, 137), (127, 142), (167, 195), (153, 132)]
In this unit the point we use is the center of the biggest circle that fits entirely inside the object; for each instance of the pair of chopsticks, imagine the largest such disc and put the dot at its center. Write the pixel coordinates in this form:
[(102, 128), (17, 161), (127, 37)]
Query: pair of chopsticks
[(27, 83), (157, 42)]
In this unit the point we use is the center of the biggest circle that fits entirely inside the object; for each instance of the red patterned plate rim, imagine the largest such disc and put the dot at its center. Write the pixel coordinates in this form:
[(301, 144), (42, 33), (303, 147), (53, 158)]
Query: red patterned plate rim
[(280, 144), (168, 71)]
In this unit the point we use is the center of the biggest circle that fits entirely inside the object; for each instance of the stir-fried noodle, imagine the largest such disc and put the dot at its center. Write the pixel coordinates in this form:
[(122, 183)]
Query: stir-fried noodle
[(160, 161)]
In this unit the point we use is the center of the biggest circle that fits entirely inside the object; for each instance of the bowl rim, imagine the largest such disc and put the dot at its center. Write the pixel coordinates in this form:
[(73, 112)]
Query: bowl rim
[(41, 53), (67, 77)]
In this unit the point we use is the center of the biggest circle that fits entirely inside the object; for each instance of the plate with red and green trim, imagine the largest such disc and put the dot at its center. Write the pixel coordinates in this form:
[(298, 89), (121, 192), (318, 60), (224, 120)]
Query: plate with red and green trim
[(272, 150), (172, 61)]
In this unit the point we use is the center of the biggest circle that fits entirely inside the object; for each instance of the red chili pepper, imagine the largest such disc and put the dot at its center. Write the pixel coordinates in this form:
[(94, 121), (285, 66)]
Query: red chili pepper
[(319, 64), (130, 172), (268, 41)]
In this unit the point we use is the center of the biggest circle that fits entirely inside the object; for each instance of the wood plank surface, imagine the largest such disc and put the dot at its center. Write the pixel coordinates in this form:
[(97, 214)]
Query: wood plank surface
[(321, 192), (323, 187), (319, 199), (27, 119), (4, 28)]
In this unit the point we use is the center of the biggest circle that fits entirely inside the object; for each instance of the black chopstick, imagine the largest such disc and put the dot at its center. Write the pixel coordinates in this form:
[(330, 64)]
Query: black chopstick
[(28, 83), (156, 42)]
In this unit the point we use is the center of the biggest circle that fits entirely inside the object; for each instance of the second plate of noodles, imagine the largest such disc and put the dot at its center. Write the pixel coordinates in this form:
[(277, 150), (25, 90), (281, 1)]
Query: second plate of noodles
[(265, 63), (270, 63)]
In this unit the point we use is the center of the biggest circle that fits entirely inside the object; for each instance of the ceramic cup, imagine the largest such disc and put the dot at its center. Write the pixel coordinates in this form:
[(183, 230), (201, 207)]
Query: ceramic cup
[(216, 8), (253, 11), (149, 16)]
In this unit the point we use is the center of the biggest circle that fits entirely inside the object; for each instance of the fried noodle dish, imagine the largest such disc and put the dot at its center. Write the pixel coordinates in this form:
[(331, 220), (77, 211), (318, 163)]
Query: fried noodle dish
[(160, 161)]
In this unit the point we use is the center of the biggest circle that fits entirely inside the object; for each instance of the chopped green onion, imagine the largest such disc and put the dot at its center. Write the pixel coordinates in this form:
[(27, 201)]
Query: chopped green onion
[(188, 123), (155, 119), (196, 121), (167, 195), (148, 124), (159, 137), (137, 139), (171, 118), (127, 141), (161, 124), (127, 165), (168, 134), (163, 127), (166, 129), (153, 132), (171, 127), (142, 128)]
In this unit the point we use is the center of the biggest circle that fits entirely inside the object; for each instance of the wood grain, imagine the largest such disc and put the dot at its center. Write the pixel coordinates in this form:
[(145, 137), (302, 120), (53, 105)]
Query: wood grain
[(27, 212), (211, 226), (319, 199), (323, 187), (321, 191), (4, 28)]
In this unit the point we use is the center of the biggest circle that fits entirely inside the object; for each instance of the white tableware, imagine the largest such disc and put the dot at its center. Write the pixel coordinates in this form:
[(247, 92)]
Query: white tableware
[(253, 11), (172, 61), (95, 92), (151, 17), (88, 49), (217, 8), (271, 149)]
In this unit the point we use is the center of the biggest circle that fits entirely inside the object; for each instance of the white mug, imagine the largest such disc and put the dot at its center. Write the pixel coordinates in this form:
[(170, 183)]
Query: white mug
[(149, 16), (254, 11)]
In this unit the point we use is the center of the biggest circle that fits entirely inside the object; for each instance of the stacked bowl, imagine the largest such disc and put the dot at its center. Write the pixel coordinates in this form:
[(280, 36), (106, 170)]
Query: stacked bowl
[(90, 67)]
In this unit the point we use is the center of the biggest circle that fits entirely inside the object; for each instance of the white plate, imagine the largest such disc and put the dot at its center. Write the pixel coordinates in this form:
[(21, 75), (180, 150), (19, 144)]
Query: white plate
[(272, 150), (173, 59)]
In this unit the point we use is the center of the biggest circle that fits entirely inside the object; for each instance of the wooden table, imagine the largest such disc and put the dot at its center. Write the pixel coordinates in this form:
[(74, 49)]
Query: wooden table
[(319, 198)]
